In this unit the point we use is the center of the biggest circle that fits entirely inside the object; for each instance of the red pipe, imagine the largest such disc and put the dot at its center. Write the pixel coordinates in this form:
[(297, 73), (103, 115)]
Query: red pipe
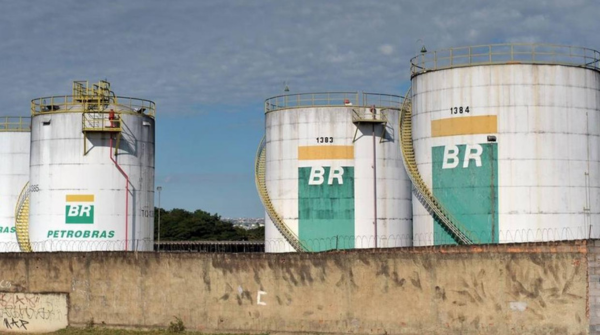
[(126, 192)]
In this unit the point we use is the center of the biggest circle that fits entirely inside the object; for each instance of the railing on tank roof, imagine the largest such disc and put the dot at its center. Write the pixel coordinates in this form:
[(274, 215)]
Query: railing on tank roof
[(82, 88), (382, 100), (15, 123), (513, 53), (333, 99), (74, 104)]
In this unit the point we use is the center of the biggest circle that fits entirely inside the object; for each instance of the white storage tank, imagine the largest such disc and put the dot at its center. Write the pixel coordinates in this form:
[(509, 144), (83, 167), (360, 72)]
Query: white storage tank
[(14, 174), (507, 138), (92, 171), (316, 173)]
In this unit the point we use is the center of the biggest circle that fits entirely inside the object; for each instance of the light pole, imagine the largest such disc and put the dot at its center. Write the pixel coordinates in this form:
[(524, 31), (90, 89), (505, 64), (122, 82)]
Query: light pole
[(159, 209), (374, 179), (423, 49), (422, 53)]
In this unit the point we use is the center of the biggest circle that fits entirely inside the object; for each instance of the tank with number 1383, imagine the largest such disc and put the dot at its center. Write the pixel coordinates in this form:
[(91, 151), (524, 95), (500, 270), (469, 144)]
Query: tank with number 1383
[(329, 172)]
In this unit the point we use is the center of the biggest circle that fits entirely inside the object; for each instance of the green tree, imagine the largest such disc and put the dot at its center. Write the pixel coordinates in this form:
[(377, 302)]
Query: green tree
[(181, 225)]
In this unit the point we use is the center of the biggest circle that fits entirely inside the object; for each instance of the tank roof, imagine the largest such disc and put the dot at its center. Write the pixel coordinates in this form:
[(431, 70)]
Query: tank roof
[(333, 99), (92, 98), (512, 53)]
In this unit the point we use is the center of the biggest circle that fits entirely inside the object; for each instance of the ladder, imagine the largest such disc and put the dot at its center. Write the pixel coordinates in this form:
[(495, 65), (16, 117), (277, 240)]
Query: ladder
[(449, 223), (261, 186), (22, 219)]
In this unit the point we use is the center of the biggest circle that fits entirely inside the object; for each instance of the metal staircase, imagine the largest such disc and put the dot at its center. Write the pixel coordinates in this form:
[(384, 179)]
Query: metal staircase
[(96, 117), (22, 219), (459, 233), (261, 186)]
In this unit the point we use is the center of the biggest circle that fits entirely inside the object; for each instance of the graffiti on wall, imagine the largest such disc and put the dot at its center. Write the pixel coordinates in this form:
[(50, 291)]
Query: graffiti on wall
[(33, 312)]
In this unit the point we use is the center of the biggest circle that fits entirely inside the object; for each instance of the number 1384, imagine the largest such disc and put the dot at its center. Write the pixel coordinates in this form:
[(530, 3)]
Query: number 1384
[(459, 110)]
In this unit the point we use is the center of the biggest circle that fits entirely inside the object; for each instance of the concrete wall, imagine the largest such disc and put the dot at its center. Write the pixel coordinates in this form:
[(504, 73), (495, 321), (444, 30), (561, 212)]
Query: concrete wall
[(501, 289), (593, 259)]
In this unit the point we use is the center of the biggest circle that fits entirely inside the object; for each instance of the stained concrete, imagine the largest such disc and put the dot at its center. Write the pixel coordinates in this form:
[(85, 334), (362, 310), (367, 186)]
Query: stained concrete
[(505, 289)]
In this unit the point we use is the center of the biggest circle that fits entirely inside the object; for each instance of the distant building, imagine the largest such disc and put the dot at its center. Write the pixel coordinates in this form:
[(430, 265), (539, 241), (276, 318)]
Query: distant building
[(246, 223)]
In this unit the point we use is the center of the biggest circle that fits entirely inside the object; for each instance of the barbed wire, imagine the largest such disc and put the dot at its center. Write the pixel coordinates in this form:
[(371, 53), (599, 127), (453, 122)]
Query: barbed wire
[(339, 242), (437, 239), (54, 245), (141, 245), (211, 246)]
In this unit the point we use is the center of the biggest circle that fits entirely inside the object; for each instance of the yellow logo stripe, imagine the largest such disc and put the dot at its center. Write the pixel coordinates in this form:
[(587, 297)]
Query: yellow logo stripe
[(469, 125), (315, 152), (80, 198)]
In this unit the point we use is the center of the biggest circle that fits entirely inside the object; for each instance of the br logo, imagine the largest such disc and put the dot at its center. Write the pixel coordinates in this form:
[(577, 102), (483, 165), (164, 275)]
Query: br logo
[(317, 175), (80, 209), (452, 158)]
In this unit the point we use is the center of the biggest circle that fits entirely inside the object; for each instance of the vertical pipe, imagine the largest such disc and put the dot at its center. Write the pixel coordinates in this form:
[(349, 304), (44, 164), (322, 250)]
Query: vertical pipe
[(470, 60), (159, 210), (126, 192), (374, 182), (588, 205), (512, 52)]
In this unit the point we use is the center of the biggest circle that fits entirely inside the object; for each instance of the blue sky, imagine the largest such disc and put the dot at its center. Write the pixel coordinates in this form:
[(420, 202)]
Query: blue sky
[(209, 65)]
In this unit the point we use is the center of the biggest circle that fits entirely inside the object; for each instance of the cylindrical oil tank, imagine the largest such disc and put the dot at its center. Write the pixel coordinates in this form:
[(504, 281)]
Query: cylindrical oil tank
[(14, 174), (334, 174), (92, 171), (507, 139)]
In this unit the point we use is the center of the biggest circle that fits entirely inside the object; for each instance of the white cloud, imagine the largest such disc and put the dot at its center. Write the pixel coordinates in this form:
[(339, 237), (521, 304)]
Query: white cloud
[(386, 49), (193, 52)]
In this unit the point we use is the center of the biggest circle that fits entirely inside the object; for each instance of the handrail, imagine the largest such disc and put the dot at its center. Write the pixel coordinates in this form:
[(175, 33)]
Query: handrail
[(261, 187), (71, 104), (15, 123), (366, 115), (459, 233), (92, 98), (101, 90), (332, 99), (21, 199), (380, 100), (22, 228), (508, 53), (101, 121)]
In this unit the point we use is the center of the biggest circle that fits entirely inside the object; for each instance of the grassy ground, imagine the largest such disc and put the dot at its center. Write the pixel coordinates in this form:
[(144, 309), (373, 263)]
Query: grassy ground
[(175, 328), (111, 331), (98, 330)]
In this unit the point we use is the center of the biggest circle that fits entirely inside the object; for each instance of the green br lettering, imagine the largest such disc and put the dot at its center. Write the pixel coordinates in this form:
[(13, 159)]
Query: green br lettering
[(79, 214)]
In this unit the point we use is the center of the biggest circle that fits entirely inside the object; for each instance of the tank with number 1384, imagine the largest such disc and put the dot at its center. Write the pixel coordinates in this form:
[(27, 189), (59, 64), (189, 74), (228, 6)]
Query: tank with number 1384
[(507, 139)]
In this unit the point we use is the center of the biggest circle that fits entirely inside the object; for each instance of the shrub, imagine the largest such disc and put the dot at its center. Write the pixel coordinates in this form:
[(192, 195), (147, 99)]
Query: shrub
[(176, 326)]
